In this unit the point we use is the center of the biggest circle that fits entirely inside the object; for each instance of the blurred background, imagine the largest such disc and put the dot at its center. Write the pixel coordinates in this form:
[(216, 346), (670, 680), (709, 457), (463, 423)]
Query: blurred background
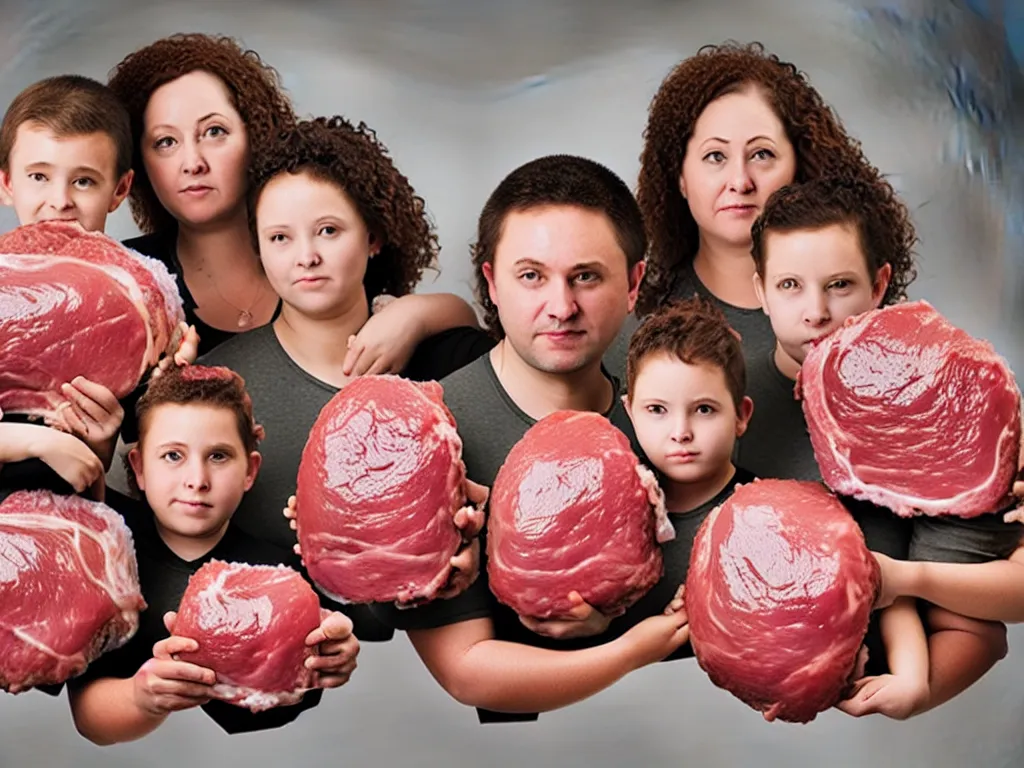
[(462, 92)]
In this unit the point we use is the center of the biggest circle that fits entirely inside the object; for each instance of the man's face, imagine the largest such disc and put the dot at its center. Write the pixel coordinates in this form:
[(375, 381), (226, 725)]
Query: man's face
[(561, 285)]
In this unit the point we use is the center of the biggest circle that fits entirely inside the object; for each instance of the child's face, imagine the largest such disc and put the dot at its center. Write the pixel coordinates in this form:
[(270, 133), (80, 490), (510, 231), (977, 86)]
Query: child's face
[(193, 468), (684, 417), (314, 245), (813, 281), (70, 178), (196, 149)]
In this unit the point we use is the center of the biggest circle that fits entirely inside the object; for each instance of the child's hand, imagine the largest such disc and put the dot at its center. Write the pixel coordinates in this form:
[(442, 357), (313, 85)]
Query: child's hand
[(657, 637), (290, 513), (583, 621), (72, 459), (890, 695), (383, 345), (466, 562), (188, 351), (92, 412), (164, 685), (338, 648)]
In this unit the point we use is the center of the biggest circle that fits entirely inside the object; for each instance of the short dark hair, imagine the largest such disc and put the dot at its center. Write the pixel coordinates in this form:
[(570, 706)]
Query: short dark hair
[(69, 105), (694, 331), (254, 87), (564, 180), (352, 158), (871, 208)]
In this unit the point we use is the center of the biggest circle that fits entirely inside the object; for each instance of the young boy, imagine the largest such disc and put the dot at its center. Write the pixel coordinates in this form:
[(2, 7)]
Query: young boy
[(825, 251), (685, 384), (195, 459), (65, 153)]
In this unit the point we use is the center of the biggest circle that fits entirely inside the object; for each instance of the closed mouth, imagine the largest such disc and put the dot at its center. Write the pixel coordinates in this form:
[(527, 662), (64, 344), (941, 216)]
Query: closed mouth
[(196, 504)]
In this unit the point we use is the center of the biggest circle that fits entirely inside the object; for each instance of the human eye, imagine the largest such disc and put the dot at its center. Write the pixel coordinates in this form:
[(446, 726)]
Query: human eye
[(277, 237), (764, 154), (215, 131), (171, 456), (840, 285), (655, 410), (219, 457), (84, 183), (328, 230), (587, 277), (164, 142), (529, 276), (714, 156), (705, 409), (37, 176), (789, 284)]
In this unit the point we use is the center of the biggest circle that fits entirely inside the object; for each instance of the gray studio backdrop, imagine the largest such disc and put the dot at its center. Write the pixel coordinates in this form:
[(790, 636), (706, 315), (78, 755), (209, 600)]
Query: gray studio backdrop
[(462, 92)]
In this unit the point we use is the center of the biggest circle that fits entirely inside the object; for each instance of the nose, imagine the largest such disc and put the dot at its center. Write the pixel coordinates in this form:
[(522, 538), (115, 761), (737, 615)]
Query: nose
[(193, 161), (682, 431), (308, 254), (740, 180), (816, 312), (60, 198), (197, 476), (561, 301)]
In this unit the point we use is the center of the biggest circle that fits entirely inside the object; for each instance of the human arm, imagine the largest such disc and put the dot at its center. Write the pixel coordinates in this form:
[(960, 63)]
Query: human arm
[(903, 692), (94, 415), (68, 456), (389, 338), (111, 710)]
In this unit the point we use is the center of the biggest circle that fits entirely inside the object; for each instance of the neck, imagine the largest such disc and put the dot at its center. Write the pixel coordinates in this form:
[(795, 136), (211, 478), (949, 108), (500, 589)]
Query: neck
[(538, 393), (224, 247), (728, 272), (686, 497), (319, 345), (787, 366), (190, 548)]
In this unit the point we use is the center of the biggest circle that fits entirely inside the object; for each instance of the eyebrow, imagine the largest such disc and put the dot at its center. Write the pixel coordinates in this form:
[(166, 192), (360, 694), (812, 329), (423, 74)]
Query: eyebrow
[(719, 139), (77, 168), (592, 265), (202, 119)]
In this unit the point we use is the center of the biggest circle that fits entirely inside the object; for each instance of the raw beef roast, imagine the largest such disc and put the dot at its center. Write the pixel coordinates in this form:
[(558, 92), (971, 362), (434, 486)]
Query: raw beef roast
[(573, 509), (76, 303), (380, 481), (250, 622), (911, 413), (69, 587), (779, 592)]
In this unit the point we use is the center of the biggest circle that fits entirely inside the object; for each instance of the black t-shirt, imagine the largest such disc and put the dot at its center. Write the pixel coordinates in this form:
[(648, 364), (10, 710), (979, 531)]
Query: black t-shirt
[(163, 577), (163, 247)]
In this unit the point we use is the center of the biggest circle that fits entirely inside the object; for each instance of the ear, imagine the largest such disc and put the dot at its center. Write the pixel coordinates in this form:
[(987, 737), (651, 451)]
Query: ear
[(253, 468), (759, 290), (135, 459), (881, 284), (636, 274), (746, 410), (488, 271), (682, 183), (374, 245), (6, 192), (124, 186), (627, 407)]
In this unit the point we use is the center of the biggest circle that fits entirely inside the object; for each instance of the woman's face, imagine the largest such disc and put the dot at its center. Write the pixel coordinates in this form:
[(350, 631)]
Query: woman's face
[(738, 156), (195, 149)]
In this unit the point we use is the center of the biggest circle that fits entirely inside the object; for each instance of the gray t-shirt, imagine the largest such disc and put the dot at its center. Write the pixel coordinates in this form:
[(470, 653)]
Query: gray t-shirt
[(753, 325)]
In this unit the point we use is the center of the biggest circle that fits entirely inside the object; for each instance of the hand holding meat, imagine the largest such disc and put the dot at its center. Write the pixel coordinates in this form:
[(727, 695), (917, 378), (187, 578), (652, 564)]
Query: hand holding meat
[(894, 696), (657, 637), (337, 649), (164, 685), (68, 456), (582, 620), (93, 414), (188, 351)]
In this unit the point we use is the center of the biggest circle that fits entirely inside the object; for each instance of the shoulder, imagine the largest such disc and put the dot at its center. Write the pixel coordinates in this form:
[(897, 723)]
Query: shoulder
[(156, 245), (237, 351), (447, 352)]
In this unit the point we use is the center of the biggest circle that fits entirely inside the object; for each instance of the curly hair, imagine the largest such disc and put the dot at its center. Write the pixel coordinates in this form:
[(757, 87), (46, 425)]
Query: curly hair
[(822, 146), (693, 331), (555, 180), (885, 233), (255, 89), (336, 151)]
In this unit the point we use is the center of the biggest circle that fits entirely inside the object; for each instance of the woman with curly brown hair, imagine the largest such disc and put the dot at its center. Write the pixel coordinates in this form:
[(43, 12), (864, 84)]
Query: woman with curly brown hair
[(336, 225), (727, 128), (201, 106)]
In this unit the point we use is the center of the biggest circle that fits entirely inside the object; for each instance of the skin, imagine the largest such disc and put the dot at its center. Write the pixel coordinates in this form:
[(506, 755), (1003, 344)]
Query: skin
[(738, 156), (70, 178), (687, 422)]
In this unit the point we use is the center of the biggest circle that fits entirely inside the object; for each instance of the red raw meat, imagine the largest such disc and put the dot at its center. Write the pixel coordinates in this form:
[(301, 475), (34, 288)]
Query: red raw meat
[(911, 413), (251, 623), (379, 483), (75, 303), (69, 587), (573, 509), (779, 594)]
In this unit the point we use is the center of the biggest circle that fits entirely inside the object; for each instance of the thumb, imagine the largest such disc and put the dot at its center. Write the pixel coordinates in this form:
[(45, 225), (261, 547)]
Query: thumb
[(351, 356), (169, 619)]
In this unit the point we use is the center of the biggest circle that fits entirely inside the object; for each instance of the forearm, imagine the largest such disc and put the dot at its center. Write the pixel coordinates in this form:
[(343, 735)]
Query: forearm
[(19, 442), (105, 451), (992, 591), (436, 312), (510, 677), (906, 644), (960, 652), (105, 712)]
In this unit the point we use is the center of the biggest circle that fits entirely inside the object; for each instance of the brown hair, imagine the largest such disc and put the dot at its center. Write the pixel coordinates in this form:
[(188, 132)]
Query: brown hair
[(822, 146), (254, 87), (353, 159), (555, 180), (69, 105), (215, 387), (693, 331), (872, 209)]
